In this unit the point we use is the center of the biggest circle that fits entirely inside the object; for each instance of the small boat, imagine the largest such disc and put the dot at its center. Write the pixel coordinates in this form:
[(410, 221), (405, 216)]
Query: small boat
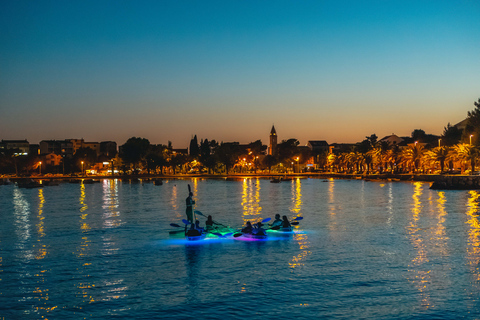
[(285, 229), (197, 237), (275, 180), (255, 236), (158, 182)]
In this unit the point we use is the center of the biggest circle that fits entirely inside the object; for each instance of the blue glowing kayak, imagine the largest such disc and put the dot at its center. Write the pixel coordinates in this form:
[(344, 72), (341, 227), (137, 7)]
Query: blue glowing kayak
[(255, 236), (196, 238)]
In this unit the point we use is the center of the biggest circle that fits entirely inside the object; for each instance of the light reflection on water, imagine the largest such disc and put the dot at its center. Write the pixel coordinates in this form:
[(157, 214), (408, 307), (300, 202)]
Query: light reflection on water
[(363, 250)]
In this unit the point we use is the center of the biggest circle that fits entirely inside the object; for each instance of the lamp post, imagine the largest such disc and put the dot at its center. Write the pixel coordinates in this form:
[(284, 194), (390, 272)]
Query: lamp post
[(439, 142), (82, 168), (298, 166), (40, 167), (471, 138)]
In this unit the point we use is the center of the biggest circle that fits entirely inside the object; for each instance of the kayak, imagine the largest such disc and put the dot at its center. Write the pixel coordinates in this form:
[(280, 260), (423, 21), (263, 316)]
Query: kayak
[(196, 238), (255, 236)]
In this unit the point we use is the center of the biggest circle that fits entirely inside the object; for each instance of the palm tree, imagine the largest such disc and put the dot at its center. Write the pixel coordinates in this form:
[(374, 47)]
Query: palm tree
[(413, 156), (440, 155), (467, 152)]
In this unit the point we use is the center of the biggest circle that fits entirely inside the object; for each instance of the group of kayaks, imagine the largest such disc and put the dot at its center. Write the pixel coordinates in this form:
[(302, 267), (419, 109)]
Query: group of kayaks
[(255, 232), (193, 231)]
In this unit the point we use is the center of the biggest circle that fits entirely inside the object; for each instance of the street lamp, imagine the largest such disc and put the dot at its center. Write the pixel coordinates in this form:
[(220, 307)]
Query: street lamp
[(298, 166), (439, 142), (82, 168), (471, 138), (40, 167)]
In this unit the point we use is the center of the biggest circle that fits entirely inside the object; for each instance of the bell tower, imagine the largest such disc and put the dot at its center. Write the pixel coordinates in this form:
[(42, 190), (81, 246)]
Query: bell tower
[(273, 142)]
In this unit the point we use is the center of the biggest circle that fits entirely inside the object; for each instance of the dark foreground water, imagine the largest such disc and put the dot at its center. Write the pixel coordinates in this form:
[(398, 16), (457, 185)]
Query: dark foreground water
[(368, 250)]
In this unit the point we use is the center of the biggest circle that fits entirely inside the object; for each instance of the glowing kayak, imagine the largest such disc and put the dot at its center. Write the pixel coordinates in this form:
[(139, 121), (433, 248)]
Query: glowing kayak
[(255, 236), (196, 238)]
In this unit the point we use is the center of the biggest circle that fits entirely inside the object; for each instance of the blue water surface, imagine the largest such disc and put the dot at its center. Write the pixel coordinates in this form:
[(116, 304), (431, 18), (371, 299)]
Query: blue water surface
[(364, 250)]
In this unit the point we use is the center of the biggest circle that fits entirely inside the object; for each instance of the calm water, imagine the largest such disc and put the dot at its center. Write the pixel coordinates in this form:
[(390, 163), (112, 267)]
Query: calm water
[(372, 250)]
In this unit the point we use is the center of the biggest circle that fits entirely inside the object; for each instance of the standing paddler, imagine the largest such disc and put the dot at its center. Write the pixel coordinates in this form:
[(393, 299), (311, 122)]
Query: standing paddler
[(190, 202)]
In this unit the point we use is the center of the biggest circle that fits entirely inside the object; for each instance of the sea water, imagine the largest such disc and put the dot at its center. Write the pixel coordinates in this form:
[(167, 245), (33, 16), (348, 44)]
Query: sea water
[(364, 250)]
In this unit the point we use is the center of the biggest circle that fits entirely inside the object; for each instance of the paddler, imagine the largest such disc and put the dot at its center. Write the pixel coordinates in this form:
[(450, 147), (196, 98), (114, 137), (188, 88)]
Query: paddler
[(258, 230), (277, 222), (285, 222), (209, 224), (248, 228), (190, 202)]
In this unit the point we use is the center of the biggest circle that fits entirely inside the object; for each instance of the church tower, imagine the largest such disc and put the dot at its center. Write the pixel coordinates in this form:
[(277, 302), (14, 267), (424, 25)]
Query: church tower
[(273, 142)]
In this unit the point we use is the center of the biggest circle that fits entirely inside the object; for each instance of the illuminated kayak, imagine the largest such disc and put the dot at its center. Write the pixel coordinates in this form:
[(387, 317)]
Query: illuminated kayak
[(196, 237), (255, 236), (285, 229)]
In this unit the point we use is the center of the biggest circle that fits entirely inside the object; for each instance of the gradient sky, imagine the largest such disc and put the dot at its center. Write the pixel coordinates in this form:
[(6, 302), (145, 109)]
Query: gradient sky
[(227, 70)]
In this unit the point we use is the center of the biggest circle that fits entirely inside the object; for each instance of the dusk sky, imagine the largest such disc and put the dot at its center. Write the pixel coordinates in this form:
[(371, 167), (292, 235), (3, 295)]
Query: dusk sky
[(227, 70)]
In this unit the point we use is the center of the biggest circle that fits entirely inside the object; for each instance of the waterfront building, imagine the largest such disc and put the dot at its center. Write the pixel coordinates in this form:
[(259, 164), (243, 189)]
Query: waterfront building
[(63, 147), (22, 147)]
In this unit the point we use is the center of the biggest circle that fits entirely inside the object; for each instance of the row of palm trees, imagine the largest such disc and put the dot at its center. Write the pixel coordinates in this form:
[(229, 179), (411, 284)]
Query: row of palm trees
[(414, 158)]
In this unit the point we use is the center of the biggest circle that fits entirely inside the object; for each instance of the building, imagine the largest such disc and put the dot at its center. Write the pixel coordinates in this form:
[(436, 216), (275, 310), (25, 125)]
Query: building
[(318, 146), (63, 147), (108, 148), (392, 139), (272, 150), (20, 147)]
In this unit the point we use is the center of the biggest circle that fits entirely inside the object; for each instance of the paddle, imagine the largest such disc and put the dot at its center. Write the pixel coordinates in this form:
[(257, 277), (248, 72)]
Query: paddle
[(199, 213), (175, 225), (295, 223), (298, 218), (186, 222)]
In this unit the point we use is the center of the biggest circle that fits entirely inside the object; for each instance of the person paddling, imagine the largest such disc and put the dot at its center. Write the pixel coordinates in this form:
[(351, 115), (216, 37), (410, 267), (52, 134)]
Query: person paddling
[(193, 231), (277, 222), (258, 230), (210, 224), (190, 202), (285, 222), (197, 226), (248, 228)]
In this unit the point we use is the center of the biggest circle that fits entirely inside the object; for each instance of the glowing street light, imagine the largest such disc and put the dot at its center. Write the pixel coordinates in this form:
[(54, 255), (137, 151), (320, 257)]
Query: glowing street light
[(471, 138), (439, 142), (40, 167), (82, 168)]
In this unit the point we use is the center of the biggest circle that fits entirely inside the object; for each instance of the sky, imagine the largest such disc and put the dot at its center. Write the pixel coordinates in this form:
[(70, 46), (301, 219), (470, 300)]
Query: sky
[(228, 70)]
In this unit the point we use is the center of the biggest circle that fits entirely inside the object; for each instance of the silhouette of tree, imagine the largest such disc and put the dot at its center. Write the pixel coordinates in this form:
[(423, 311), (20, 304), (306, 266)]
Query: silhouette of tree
[(134, 151), (451, 135), (473, 125), (227, 154), (269, 161), (194, 150), (287, 150)]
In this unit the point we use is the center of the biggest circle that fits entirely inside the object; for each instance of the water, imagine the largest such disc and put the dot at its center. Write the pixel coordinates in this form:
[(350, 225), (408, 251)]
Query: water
[(364, 250)]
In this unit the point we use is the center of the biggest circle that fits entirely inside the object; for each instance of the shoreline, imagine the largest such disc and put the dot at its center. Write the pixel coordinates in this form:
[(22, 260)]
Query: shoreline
[(438, 182)]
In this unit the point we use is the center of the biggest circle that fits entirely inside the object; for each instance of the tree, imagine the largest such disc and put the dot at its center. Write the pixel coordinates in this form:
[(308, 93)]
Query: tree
[(472, 127), (87, 155), (194, 149), (227, 154), (134, 151), (440, 155), (451, 135), (418, 135), (287, 149), (413, 156), (269, 161), (467, 152)]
